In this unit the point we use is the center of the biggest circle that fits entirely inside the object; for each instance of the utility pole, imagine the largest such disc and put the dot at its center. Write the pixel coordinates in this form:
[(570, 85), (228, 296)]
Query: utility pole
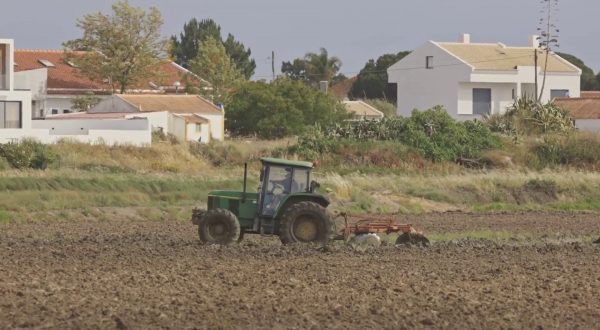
[(273, 64), (535, 61)]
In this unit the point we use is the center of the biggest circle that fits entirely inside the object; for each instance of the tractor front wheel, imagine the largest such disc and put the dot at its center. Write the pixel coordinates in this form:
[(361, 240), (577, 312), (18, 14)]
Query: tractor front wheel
[(219, 226), (306, 222)]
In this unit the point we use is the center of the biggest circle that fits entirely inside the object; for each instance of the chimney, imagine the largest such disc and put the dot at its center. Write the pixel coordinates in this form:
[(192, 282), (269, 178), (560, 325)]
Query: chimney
[(465, 38), (324, 86), (534, 41)]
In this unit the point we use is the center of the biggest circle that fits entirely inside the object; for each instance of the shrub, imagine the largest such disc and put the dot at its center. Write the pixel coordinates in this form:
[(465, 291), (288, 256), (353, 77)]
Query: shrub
[(578, 150), (28, 154), (432, 133), (280, 109), (528, 117)]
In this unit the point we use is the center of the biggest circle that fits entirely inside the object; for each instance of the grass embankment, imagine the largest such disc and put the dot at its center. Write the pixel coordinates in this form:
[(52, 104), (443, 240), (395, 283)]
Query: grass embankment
[(498, 190), (167, 180)]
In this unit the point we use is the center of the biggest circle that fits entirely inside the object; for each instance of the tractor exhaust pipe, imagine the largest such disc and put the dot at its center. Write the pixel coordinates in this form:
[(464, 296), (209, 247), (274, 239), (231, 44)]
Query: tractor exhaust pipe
[(245, 182)]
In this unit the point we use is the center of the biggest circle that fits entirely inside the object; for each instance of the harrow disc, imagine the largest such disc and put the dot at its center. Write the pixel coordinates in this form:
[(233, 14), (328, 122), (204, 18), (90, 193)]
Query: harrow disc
[(412, 239), (365, 241)]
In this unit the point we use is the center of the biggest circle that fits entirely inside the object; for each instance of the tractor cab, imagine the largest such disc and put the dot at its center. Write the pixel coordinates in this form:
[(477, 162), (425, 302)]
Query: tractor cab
[(279, 179)]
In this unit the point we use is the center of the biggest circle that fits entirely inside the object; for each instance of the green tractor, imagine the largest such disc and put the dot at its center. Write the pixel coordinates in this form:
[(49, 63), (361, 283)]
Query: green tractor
[(285, 205)]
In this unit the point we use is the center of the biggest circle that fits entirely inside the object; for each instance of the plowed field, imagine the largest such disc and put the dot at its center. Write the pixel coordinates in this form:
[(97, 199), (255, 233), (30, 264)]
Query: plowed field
[(145, 274)]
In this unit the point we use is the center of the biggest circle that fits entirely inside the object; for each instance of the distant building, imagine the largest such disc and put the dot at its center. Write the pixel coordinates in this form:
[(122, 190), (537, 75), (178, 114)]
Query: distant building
[(475, 79), (362, 110), (187, 117), (585, 111), (58, 81), (17, 95)]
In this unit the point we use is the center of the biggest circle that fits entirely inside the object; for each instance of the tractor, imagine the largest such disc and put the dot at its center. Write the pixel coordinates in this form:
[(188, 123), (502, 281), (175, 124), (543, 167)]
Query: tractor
[(287, 205)]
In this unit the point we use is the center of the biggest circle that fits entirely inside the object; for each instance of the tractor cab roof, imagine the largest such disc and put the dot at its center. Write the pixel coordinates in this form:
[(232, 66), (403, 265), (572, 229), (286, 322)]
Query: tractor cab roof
[(285, 162)]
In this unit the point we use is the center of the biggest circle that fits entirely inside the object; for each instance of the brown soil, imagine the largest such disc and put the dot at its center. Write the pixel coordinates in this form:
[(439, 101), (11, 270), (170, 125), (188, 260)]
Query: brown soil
[(146, 274)]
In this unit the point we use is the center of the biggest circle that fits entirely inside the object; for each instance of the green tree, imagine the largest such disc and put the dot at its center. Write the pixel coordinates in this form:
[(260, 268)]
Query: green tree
[(589, 82), (185, 48), (123, 48), (372, 81), (314, 67), (240, 56), (213, 64), (85, 102), (295, 70), (282, 109)]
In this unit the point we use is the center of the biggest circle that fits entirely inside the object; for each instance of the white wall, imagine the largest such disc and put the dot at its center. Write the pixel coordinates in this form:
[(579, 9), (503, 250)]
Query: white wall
[(422, 88), (590, 125), (202, 136), (217, 126), (158, 120), (525, 75), (501, 98), (109, 131), (33, 80), (178, 127)]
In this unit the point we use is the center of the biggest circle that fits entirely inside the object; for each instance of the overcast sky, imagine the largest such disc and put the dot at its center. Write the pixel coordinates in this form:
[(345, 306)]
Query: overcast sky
[(355, 31)]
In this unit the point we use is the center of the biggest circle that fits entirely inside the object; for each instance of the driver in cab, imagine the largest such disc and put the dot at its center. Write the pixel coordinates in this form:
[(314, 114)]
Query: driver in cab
[(279, 189)]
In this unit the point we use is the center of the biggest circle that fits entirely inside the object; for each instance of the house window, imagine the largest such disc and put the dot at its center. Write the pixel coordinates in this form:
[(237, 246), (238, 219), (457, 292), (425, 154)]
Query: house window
[(429, 62), (55, 111), (482, 101), (198, 128), (554, 93), (3, 75), (10, 114), (66, 111)]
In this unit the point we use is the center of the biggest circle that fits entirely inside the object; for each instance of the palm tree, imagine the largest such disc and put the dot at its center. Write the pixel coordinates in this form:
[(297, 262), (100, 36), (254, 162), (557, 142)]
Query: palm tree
[(321, 67)]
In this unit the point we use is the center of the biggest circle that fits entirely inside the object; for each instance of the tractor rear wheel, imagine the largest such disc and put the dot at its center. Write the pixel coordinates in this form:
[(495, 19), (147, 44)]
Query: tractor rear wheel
[(219, 226), (306, 222), (412, 239)]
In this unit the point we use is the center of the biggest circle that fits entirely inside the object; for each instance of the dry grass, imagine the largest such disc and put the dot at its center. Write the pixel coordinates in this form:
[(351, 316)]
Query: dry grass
[(494, 190)]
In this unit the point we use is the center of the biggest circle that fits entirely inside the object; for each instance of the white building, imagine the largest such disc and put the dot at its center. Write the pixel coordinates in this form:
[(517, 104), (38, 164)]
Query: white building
[(187, 117), (473, 79), (585, 111), (58, 81), (16, 100)]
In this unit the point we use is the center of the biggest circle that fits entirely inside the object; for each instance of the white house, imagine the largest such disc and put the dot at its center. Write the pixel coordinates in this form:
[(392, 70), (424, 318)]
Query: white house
[(57, 81), (473, 79), (16, 123), (187, 117)]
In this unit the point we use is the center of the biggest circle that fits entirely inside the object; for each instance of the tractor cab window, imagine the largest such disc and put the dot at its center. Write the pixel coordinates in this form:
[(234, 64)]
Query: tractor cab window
[(278, 185), (300, 182)]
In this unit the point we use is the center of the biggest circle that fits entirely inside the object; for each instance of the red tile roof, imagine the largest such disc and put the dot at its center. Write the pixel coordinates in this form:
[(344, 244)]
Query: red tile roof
[(581, 108), (66, 79), (590, 94)]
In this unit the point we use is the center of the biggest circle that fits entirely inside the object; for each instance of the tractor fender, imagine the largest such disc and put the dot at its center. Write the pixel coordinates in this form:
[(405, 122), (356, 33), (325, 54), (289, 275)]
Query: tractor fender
[(301, 197)]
